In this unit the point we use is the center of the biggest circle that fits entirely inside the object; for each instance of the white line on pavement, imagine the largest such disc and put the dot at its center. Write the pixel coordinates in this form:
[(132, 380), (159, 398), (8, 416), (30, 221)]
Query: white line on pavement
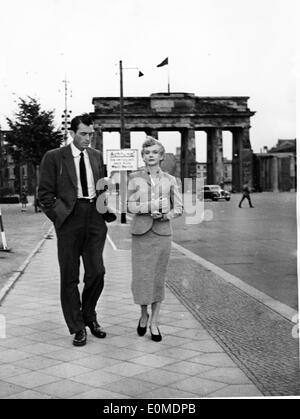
[(111, 242)]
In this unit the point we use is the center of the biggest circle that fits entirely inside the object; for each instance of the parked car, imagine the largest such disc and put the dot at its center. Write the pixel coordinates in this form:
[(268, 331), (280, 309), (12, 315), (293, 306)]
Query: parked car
[(214, 192)]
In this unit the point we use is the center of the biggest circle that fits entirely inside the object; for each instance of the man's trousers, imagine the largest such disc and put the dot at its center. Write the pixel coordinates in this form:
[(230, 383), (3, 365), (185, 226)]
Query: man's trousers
[(83, 235)]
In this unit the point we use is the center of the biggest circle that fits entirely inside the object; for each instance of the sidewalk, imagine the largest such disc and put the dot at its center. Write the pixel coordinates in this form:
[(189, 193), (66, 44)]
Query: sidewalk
[(23, 231), (37, 359)]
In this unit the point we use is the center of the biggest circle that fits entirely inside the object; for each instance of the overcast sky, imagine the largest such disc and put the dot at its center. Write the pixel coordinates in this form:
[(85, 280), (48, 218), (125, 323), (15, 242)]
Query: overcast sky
[(215, 48)]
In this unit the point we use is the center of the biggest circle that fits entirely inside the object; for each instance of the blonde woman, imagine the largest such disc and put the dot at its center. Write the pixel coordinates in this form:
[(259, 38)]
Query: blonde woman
[(154, 198)]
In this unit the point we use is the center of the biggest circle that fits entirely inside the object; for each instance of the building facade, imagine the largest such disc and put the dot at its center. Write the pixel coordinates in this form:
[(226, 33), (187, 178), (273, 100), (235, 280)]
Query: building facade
[(276, 169), (13, 175), (8, 170)]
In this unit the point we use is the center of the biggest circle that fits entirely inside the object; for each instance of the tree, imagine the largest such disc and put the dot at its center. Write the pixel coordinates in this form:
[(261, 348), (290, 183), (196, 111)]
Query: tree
[(32, 133)]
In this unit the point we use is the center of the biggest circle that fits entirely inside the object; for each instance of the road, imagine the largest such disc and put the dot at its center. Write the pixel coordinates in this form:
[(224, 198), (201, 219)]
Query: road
[(258, 245)]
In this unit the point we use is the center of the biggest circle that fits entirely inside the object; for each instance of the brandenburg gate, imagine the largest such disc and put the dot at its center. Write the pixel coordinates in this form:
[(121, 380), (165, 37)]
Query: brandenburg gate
[(185, 113)]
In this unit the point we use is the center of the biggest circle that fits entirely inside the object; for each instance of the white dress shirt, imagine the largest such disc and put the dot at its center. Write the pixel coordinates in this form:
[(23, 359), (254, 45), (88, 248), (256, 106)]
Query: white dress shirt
[(89, 173)]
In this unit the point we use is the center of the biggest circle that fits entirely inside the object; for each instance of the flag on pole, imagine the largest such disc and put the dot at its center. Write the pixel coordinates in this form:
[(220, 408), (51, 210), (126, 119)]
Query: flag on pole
[(164, 62), (141, 74)]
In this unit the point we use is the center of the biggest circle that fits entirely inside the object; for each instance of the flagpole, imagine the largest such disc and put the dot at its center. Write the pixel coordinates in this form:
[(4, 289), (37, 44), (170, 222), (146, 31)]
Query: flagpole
[(163, 63), (168, 76), (122, 143), (123, 174), (122, 125)]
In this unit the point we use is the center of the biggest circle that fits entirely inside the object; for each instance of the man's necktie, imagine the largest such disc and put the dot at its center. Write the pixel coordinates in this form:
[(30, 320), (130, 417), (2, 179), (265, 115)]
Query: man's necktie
[(83, 178)]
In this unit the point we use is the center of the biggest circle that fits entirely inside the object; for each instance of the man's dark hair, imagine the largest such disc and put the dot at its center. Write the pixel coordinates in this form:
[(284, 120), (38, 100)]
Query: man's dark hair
[(85, 119)]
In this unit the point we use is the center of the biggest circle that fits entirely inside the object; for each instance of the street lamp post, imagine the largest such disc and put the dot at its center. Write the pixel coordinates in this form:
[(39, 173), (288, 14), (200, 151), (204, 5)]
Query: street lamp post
[(122, 132), (123, 185), (123, 174), (66, 114)]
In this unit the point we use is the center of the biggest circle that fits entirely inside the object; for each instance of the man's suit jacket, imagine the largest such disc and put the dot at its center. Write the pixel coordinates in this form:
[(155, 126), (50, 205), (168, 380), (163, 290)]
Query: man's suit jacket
[(143, 199), (58, 182)]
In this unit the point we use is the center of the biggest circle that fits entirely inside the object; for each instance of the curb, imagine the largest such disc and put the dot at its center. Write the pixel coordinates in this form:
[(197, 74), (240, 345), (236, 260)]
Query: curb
[(14, 277), (275, 305), (280, 308)]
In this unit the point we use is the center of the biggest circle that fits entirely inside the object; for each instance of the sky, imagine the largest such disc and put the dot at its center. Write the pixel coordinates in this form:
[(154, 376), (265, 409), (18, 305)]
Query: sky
[(215, 48)]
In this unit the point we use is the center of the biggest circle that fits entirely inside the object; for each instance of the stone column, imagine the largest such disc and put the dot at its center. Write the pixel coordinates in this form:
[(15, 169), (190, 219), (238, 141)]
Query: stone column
[(247, 158), (152, 132), (188, 154), (97, 141), (237, 148), (126, 138), (293, 173), (274, 178), (215, 165), (242, 159)]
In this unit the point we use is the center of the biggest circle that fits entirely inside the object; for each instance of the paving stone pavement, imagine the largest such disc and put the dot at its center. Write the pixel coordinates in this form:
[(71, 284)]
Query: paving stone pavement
[(37, 359), (258, 339)]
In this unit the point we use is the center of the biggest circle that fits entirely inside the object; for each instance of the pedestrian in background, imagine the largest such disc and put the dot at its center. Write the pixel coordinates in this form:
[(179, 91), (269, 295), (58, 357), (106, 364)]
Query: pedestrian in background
[(246, 195), (154, 198), (24, 199)]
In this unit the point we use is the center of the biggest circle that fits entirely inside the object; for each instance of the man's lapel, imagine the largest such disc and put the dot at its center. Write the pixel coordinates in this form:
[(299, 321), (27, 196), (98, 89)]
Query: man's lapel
[(69, 162), (94, 165)]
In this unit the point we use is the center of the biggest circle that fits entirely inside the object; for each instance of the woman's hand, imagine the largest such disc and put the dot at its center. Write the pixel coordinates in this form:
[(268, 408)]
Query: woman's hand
[(163, 204), (156, 215)]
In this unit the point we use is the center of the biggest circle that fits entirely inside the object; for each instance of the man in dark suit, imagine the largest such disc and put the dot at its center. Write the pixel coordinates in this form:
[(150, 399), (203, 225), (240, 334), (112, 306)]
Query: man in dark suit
[(67, 195)]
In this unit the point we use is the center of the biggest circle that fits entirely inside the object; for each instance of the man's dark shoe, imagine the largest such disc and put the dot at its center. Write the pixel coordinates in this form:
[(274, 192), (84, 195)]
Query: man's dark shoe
[(80, 338), (96, 330)]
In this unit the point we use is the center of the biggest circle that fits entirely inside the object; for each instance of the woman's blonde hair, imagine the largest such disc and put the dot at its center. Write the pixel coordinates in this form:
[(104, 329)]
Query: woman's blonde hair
[(150, 141)]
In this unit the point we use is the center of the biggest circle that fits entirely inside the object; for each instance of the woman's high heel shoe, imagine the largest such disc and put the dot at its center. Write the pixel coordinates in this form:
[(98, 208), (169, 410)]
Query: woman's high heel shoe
[(142, 330), (156, 338)]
